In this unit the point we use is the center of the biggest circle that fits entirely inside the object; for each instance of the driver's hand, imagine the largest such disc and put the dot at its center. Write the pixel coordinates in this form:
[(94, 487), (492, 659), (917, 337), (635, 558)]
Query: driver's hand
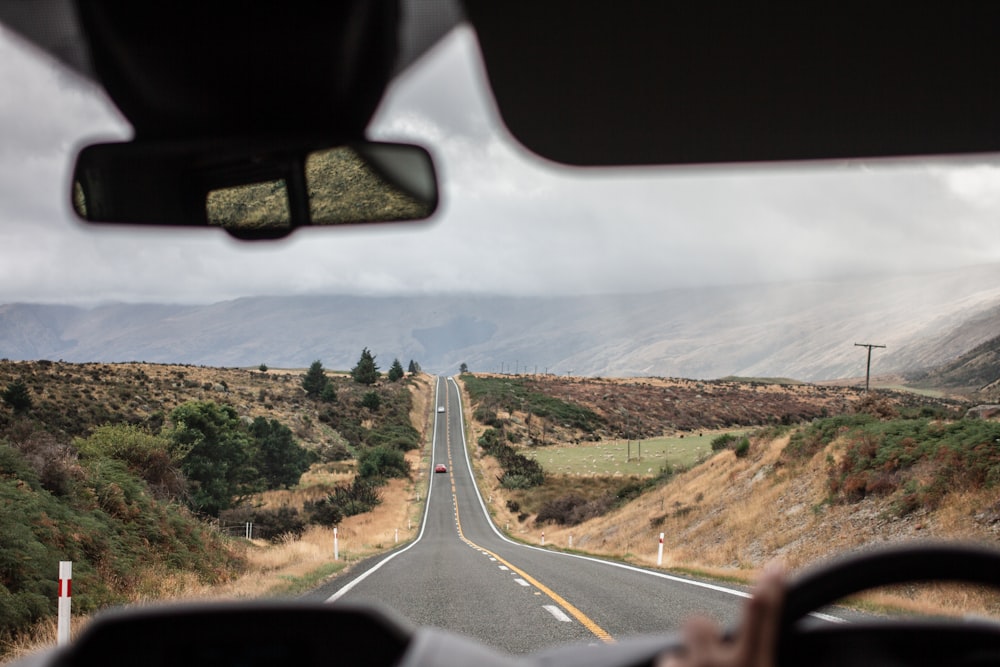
[(754, 645)]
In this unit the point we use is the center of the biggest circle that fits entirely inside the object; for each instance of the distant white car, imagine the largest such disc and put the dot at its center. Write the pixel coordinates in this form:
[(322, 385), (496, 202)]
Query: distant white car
[(440, 408)]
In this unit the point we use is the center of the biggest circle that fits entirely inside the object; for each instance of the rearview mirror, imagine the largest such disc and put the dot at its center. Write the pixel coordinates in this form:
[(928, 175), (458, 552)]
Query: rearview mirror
[(253, 190)]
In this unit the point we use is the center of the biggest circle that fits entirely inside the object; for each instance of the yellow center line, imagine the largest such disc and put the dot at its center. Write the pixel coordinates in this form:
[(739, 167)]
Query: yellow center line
[(585, 620)]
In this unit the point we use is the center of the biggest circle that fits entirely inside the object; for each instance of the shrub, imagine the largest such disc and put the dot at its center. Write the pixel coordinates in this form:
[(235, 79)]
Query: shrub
[(486, 416), (273, 525), (146, 455), (722, 442), (323, 512), (380, 463), (371, 401), (332, 451), (400, 436), (742, 447), (918, 460), (328, 394), (355, 498), (573, 509), (806, 442), (558, 510)]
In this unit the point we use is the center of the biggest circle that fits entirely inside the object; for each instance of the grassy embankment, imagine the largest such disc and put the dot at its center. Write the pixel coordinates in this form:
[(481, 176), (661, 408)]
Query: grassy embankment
[(257, 568), (801, 494)]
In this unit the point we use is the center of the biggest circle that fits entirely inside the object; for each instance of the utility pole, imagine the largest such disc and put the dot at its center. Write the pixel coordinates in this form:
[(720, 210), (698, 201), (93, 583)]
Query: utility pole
[(868, 370)]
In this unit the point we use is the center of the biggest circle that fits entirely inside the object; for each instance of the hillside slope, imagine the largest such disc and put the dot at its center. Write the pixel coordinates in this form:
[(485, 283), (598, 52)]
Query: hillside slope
[(800, 493), (976, 370), (730, 516)]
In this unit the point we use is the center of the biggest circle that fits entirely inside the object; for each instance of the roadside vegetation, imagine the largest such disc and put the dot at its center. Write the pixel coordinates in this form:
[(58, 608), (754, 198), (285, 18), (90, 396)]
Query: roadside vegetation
[(889, 467), (146, 476)]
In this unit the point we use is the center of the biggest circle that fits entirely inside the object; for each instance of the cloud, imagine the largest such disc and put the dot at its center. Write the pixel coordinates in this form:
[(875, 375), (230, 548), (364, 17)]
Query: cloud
[(509, 223)]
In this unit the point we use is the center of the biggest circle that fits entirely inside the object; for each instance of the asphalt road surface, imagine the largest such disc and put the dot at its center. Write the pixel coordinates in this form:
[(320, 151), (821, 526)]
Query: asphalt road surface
[(461, 574)]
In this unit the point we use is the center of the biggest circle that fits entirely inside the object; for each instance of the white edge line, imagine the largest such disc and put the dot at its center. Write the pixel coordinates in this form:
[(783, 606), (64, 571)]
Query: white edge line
[(423, 524), (557, 612), (632, 568)]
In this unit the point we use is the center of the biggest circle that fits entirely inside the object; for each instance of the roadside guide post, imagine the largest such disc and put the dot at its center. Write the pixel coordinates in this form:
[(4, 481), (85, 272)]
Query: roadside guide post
[(336, 546), (65, 601), (659, 555)]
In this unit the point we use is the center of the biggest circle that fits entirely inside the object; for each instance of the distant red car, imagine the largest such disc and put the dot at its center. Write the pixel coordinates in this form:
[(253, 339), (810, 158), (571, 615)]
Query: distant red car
[(440, 468)]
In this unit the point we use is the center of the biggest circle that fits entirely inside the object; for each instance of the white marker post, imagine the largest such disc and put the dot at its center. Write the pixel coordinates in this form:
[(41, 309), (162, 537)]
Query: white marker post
[(571, 540), (336, 546), (397, 536), (65, 601), (543, 539), (659, 555)]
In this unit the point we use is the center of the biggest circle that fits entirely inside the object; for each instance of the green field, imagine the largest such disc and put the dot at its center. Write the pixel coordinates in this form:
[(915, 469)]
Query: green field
[(609, 457), (930, 393)]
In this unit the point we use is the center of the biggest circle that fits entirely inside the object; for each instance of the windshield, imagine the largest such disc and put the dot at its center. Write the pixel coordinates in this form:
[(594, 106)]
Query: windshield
[(689, 371)]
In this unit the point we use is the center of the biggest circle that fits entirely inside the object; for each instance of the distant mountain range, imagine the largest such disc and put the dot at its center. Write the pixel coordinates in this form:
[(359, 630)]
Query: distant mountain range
[(805, 331)]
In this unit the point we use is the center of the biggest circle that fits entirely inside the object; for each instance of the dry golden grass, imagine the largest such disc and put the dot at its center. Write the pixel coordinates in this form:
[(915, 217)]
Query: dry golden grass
[(728, 517)]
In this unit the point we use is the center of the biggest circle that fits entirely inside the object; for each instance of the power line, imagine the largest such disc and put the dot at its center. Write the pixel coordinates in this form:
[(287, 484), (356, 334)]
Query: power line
[(868, 370)]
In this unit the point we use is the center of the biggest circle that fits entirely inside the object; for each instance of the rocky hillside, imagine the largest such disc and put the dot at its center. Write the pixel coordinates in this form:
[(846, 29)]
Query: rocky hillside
[(977, 371)]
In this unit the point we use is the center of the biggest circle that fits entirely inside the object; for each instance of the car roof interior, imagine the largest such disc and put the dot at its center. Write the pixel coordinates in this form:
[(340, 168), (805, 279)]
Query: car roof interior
[(577, 82)]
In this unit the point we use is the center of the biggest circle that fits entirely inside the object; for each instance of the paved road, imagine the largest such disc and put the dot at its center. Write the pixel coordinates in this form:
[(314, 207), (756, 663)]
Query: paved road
[(462, 575)]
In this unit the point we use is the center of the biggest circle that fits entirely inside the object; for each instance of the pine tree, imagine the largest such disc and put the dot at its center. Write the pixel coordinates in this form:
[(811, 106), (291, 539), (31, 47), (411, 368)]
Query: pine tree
[(395, 371), (414, 367), (18, 396), (366, 372), (315, 380)]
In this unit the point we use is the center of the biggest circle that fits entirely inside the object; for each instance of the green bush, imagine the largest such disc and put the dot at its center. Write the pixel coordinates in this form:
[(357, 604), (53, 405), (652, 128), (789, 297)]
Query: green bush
[(323, 512), (397, 435), (380, 463), (277, 458), (723, 441), (742, 447), (109, 525), (806, 442), (371, 401), (148, 456), (358, 497), (486, 416), (917, 461), (278, 524)]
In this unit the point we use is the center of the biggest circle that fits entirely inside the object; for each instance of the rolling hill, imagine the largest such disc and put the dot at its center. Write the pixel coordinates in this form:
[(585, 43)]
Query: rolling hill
[(803, 331)]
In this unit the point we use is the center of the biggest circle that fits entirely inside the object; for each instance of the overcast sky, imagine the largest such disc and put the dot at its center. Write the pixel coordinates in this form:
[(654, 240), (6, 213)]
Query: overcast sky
[(508, 222)]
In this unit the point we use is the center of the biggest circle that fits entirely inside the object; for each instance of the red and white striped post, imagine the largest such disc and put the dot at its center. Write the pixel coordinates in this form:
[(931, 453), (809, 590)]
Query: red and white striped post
[(65, 600), (659, 554), (336, 545)]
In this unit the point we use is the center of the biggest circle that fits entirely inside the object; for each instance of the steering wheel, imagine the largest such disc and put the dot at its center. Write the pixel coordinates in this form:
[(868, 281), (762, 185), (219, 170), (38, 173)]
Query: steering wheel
[(931, 642)]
